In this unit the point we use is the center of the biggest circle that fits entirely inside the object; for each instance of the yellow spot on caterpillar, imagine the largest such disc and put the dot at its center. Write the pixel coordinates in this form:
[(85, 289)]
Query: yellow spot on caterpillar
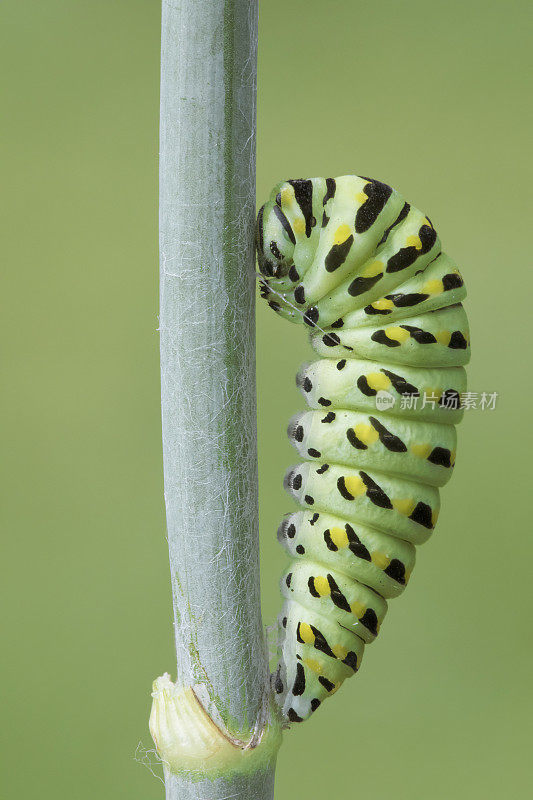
[(287, 195), (433, 287), (453, 454), (414, 241), (322, 586), (339, 537), (298, 226), (434, 517), (339, 651), (314, 666), (406, 506), (358, 609), (383, 305), (366, 433), (342, 233), (361, 197), (408, 573), (380, 560), (306, 633), (372, 270), (397, 334), (421, 450), (336, 688), (443, 337), (377, 381), (354, 485), (427, 222)]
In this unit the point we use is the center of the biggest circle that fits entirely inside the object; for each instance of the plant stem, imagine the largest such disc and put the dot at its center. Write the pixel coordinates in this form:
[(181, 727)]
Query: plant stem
[(207, 325)]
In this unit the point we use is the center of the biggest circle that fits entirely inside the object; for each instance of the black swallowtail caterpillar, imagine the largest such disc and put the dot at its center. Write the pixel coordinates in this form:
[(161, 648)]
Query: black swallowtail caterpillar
[(364, 270)]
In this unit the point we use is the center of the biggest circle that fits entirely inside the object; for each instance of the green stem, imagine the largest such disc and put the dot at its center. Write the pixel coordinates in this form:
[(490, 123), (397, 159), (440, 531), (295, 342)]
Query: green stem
[(207, 324)]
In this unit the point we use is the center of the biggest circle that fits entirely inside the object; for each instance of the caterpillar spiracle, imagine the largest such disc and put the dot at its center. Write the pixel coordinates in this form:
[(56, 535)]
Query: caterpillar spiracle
[(364, 270)]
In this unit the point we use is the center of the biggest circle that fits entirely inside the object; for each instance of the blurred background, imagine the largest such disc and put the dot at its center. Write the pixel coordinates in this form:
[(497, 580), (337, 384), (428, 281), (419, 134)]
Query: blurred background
[(433, 98)]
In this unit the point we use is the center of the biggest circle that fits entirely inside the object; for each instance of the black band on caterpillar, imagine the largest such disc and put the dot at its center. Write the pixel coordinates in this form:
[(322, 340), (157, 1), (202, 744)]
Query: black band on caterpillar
[(363, 269)]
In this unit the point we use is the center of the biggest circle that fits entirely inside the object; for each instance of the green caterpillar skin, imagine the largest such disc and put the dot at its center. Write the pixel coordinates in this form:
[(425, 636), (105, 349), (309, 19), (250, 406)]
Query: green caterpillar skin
[(350, 258)]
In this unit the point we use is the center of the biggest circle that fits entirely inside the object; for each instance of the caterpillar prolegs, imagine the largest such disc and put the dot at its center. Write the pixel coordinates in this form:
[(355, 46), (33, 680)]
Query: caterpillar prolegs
[(364, 270)]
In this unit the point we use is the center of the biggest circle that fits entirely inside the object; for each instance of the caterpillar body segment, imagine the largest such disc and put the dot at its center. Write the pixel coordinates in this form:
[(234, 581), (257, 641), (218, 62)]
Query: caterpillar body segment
[(439, 283), (432, 395), (399, 507), (438, 338), (364, 270), (318, 656), (420, 451), (368, 555), (354, 606)]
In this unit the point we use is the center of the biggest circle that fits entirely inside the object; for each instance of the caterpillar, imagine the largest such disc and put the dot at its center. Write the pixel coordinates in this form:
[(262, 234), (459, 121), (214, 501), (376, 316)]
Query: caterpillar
[(364, 270)]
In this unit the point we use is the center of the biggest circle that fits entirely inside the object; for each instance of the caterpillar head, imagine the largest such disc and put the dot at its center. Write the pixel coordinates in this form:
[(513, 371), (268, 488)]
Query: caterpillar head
[(274, 239)]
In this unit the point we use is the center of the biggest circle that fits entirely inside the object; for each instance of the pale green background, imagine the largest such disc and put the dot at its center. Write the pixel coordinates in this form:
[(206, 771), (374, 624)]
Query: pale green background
[(432, 97)]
